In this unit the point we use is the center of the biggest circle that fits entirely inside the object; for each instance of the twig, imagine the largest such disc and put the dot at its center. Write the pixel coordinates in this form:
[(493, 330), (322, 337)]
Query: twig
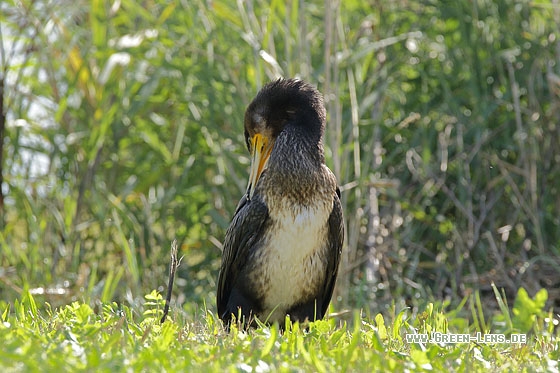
[(175, 262)]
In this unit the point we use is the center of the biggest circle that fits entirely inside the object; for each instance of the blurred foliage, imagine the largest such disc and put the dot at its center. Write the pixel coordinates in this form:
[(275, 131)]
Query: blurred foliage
[(124, 131)]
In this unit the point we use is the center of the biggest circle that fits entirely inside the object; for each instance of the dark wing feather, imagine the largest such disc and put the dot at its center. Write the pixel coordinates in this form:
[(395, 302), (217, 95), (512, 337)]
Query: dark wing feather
[(336, 238), (245, 229)]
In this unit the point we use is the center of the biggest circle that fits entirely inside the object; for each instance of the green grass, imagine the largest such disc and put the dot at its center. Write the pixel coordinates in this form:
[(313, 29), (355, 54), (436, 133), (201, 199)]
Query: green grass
[(112, 337)]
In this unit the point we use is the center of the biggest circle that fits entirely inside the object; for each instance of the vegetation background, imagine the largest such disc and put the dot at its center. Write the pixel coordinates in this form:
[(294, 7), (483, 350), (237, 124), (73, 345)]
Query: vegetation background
[(121, 130)]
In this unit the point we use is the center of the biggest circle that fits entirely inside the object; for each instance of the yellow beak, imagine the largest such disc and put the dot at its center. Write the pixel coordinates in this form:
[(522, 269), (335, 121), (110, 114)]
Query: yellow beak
[(261, 148)]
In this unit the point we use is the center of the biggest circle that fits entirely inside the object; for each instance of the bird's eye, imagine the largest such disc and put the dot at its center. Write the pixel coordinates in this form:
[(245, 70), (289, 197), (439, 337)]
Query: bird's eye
[(247, 140), (291, 113)]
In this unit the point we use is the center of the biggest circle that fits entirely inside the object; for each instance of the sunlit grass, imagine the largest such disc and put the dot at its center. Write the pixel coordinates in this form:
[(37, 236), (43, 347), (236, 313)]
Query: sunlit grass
[(120, 338)]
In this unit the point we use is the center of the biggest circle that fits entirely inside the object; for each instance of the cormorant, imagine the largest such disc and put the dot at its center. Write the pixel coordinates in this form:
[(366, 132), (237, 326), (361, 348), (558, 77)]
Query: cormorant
[(282, 249)]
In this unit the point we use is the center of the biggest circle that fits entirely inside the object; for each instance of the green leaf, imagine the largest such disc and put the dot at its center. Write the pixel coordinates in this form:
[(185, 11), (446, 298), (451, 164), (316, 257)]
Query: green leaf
[(98, 22), (381, 329), (420, 358), (525, 310), (270, 341)]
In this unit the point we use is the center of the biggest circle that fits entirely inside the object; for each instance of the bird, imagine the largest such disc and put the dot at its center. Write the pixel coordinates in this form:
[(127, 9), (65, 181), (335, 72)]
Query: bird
[(282, 249)]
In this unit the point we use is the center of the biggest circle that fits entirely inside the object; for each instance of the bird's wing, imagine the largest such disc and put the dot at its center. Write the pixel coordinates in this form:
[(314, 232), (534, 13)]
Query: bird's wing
[(244, 231), (336, 238)]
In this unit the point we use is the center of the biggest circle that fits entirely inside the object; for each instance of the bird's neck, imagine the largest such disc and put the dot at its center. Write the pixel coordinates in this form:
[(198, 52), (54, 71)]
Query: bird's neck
[(296, 153), (294, 170)]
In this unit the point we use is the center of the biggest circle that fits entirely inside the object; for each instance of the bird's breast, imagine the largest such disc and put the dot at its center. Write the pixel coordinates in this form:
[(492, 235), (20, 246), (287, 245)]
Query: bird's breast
[(291, 263)]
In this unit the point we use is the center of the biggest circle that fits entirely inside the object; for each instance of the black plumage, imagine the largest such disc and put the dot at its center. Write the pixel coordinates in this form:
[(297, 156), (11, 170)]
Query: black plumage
[(282, 249)]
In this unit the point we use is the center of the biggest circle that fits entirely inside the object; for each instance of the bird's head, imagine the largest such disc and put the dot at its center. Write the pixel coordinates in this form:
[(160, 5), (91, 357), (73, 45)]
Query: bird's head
[(282, 103)]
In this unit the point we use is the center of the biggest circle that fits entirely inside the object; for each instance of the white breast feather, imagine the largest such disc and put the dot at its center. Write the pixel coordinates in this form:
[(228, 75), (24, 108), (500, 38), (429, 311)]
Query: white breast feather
[(291, 261)]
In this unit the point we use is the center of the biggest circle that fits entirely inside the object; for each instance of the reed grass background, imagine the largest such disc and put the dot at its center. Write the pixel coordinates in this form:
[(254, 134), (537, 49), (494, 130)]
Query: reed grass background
[(121, 129)]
